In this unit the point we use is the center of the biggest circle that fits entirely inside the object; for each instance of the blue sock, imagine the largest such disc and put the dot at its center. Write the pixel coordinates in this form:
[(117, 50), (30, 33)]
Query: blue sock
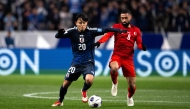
[(86, 86), (62, 93)]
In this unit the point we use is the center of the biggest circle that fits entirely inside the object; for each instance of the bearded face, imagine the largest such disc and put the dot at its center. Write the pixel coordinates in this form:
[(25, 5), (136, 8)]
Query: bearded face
[(125, 19)]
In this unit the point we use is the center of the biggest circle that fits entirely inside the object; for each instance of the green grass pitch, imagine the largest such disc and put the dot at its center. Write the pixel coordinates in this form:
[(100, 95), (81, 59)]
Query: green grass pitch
[(40, 92)]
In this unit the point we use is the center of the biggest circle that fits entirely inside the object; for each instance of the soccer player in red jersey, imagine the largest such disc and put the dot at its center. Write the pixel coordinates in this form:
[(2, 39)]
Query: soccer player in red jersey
[(123, 53)]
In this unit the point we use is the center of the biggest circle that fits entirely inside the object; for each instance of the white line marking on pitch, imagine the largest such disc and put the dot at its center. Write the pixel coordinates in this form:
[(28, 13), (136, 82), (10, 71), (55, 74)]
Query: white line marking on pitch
[(36, 95)]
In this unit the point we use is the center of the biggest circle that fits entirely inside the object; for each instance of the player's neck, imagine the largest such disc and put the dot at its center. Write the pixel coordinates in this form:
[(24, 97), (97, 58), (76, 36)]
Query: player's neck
[(129, 26), (126, 26)]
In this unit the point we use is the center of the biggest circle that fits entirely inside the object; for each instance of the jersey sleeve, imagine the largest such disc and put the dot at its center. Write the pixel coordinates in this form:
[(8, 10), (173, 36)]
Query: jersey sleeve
[(139, 39), (106, 36), (101, 31)]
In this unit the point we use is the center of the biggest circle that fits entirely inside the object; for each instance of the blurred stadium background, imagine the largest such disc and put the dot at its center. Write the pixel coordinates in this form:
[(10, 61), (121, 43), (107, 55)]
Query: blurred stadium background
[(165, 26)]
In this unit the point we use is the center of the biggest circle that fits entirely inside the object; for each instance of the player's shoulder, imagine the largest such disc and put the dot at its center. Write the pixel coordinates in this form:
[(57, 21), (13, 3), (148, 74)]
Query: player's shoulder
[(71, 29), (91, 28), (94, 29), (135, 27), (116, 25)]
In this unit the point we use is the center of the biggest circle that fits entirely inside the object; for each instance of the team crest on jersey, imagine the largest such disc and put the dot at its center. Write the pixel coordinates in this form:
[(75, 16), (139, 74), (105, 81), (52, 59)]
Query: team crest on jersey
[(135, 33), (81, 38)]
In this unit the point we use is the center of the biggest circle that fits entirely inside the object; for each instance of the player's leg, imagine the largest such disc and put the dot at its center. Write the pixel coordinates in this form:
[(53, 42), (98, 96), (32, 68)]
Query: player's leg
[(132, 86), (62, 93), (88, 76), (114, 66), (72, 75), (129, 72), (131, 90), (87, 84), (114, 74)]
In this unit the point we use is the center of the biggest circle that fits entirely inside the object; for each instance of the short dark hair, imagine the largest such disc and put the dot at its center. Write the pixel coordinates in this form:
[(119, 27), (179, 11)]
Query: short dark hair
[(83, 16), (125, 11)]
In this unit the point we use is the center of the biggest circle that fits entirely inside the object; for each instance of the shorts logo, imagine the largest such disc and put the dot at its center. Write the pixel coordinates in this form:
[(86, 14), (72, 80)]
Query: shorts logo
[(67, 75), (92, 72)]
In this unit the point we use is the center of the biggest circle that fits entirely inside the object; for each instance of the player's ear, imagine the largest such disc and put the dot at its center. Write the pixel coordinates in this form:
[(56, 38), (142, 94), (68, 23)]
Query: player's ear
[(75, 22), (131, 16)]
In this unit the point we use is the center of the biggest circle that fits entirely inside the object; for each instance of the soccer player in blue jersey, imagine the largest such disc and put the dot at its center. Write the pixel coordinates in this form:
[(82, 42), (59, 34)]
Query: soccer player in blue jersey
[(82, 38)]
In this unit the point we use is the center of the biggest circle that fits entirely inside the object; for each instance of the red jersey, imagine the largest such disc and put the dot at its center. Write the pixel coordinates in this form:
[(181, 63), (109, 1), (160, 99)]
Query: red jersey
[(124, 43)]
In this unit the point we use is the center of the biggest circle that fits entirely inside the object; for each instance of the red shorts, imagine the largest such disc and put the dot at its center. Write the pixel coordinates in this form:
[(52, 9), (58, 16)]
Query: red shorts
[(127, 66)]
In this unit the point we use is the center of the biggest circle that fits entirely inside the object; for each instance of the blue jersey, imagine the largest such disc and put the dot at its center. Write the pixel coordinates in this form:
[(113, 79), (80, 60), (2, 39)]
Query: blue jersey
[(82, 42)]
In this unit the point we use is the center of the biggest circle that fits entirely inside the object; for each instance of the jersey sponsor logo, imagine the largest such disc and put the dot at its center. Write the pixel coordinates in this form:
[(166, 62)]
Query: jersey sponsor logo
[(81, 39)]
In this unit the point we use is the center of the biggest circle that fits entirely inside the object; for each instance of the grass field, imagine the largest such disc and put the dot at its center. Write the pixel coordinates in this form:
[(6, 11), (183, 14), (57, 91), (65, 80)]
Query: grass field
[(39, 92)]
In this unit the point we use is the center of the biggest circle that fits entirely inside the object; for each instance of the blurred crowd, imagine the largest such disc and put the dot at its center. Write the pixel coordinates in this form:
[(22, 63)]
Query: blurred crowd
[(148, 15)]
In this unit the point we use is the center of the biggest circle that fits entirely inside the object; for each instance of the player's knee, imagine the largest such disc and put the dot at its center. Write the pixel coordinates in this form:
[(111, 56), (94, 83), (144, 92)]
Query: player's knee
[(89, 81), (132, 86), (66, 84), (114, 69)]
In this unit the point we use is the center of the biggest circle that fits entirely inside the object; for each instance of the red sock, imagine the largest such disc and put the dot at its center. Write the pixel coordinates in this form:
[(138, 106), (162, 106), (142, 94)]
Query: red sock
[(114, 77), (131, 91)]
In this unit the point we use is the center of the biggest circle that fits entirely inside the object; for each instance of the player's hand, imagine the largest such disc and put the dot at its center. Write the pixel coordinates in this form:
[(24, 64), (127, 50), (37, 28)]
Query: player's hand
[(143, 47), (61, 31), (97, 44), (122, 31)]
